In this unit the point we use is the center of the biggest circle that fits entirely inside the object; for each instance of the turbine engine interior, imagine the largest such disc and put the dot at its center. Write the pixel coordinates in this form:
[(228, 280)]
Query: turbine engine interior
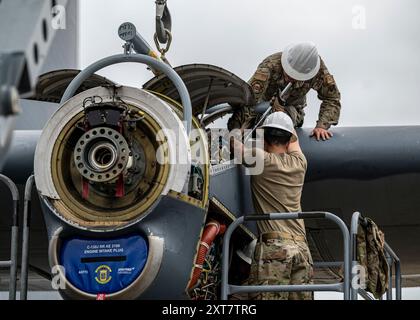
[(110, 158)]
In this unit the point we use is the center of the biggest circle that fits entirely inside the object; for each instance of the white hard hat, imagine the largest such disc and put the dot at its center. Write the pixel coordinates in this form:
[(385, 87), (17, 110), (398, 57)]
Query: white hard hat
[(301, 61), (280, 120), (248, 252)]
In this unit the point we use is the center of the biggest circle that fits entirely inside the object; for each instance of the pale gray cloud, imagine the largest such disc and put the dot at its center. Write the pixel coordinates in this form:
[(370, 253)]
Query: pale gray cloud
[(377, 69)]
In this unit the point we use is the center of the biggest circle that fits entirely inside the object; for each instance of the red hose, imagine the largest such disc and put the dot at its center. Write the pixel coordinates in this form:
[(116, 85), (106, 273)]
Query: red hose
[(211, 231)]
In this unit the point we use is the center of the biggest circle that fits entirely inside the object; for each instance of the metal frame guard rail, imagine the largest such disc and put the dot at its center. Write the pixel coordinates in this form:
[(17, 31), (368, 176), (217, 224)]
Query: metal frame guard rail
[(139, 58), (12, 263), (27, 216), (227, 289), (392, 258)]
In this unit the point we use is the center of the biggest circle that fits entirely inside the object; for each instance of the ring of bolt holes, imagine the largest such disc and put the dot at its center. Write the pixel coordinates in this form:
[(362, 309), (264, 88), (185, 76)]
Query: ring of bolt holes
[(109, 134)]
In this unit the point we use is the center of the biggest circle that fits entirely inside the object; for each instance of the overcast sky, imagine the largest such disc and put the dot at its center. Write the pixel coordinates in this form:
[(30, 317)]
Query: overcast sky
[(376, 64)]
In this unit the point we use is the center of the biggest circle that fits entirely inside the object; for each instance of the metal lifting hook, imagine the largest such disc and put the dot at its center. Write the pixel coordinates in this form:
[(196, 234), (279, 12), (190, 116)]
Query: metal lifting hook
[(163, 22)]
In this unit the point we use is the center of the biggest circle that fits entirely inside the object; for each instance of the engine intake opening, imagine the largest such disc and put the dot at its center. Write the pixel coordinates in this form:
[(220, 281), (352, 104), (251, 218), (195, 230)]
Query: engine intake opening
[(109, 176)]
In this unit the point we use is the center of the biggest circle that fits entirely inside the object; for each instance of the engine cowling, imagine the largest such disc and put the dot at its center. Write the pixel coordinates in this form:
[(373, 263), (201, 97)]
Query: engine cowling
[(107, 155)]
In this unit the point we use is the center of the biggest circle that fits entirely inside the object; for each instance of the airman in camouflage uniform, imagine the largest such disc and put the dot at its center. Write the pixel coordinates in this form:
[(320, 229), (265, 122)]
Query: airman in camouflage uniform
[(270, 79), (282, 255)]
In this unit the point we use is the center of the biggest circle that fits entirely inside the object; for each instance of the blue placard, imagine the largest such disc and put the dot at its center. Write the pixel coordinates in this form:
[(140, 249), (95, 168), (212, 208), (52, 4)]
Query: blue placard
[(103, 266)]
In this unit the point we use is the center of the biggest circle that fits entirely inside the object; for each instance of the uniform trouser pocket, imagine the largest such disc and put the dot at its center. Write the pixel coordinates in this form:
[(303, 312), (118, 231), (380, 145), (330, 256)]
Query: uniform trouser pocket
[(282, 262), (273, 262)]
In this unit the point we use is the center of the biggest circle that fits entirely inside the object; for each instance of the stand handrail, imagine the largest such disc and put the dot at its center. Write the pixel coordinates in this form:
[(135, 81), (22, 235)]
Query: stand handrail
[(344, 287)]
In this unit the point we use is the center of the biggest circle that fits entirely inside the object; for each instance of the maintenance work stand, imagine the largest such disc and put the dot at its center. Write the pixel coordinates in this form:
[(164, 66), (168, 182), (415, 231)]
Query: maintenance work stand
[(348, 287)]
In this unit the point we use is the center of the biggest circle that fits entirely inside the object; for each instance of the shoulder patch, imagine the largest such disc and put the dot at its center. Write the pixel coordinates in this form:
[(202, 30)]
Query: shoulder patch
[(257, 86), (329, 79), (317, 84), (261, 76)]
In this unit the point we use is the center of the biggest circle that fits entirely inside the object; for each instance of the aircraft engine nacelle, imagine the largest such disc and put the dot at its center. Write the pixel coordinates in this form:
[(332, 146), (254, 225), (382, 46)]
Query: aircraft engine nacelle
[(105, 157), (113, 170)]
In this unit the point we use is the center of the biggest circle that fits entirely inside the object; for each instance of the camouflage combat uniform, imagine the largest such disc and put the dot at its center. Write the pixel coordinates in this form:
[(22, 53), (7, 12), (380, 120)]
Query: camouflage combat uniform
[(282, 262), (269, 79), (371, 255)]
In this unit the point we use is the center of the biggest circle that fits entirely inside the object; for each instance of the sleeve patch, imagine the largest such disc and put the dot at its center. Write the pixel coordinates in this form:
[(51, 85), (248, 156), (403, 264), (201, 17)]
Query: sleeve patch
[(329, 80), (257, 87), (261, 76)]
